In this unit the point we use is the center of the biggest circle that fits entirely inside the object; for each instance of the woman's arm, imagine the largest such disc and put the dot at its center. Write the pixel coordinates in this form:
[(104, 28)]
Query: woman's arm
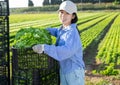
[(53, 31), (72, 45)]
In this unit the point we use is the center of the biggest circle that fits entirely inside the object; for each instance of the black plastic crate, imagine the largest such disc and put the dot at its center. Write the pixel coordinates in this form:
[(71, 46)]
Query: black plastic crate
[(30, 68), (4, 8), (4, 37), (4, 43), (4, 51)]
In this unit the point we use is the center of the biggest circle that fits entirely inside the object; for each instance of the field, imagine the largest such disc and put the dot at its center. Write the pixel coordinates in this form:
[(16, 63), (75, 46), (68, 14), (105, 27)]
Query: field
[(100, 35)]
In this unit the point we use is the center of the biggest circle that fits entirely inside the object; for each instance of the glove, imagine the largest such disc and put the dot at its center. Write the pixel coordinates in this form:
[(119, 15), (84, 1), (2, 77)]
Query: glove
[(38, 48)]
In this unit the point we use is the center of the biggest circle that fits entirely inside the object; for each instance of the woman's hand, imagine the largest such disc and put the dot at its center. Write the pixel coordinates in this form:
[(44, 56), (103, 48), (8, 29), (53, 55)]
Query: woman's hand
[(38, 48)]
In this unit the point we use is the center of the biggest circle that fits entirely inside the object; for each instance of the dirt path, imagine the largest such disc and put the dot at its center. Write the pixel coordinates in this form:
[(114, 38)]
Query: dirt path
[(100, 80)]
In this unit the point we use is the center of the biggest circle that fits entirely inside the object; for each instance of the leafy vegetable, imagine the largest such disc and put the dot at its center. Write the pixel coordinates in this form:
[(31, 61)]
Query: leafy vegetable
[(28, 37)]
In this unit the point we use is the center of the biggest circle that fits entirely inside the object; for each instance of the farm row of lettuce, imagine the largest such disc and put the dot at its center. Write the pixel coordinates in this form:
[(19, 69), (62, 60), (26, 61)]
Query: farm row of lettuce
[(109, 50), (89, 35), (91, 26)]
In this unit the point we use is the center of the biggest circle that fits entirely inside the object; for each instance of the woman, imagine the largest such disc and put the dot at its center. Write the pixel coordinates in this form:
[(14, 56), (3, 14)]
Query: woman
[(68, 48)]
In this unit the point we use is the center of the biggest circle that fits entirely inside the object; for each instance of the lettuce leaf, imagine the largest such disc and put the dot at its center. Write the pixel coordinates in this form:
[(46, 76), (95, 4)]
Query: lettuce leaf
[(27, 37)]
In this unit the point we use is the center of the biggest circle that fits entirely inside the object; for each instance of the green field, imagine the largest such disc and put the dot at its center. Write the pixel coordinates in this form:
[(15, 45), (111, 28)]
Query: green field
[(99, 32)]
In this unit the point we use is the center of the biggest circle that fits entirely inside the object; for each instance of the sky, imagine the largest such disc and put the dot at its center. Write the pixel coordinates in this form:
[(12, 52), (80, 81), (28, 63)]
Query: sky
[(23, 3)]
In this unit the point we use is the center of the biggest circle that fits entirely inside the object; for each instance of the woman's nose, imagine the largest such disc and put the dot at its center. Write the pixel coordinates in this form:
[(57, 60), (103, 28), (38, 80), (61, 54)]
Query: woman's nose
[(63, 15)]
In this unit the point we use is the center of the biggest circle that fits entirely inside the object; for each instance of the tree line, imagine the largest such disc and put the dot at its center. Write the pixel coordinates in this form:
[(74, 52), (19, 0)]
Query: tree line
[(54, 2)]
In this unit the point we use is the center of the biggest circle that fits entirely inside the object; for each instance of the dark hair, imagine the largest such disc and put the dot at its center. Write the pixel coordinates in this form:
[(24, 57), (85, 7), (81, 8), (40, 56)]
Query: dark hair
[(75, 19)]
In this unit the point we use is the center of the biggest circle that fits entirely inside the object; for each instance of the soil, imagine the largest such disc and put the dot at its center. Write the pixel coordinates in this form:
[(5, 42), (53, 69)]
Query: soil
[(92, 64), (92, 79)]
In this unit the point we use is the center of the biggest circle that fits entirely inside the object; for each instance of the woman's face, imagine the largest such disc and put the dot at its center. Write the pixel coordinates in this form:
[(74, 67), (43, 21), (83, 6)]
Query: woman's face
[(65, 18)]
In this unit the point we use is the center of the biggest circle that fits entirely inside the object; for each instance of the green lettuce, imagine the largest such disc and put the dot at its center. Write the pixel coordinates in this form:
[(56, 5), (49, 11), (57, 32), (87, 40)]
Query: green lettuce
[(27, 37)]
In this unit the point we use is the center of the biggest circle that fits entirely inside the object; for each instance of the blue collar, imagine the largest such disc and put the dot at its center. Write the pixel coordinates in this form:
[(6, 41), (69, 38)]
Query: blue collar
[(68, 27)]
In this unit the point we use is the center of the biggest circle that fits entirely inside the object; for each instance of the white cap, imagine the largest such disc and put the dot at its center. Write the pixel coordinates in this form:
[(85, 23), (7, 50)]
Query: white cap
[(68, 6)]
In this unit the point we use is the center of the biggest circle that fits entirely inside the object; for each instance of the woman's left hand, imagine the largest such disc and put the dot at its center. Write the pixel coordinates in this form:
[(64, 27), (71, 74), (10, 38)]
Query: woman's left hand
[(38, 48)]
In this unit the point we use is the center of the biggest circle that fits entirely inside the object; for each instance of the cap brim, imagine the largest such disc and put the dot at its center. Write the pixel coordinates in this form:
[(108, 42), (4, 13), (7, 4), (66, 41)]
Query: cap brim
[(64, 10)]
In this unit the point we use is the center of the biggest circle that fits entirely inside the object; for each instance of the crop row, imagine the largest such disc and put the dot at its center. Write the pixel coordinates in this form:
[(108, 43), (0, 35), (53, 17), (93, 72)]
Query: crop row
[(18, 18), (108, 56), (109, 48), (91, 23), (91, 34)]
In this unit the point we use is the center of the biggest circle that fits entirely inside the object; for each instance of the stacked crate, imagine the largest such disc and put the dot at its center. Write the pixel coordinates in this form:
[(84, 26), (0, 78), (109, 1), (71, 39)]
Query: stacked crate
[(30, 68), (4, 43)]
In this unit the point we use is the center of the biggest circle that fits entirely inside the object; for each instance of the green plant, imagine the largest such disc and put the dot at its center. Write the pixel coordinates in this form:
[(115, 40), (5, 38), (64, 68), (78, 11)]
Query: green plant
[(116, 2), (28, 37), (109, 70)]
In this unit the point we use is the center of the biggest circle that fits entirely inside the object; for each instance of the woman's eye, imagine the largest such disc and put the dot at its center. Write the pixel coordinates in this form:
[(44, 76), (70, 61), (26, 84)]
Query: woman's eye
[(61, 12), (67, 13)]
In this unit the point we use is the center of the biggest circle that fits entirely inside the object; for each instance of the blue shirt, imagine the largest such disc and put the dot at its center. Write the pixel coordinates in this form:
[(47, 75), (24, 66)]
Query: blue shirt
[(69, 51)]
